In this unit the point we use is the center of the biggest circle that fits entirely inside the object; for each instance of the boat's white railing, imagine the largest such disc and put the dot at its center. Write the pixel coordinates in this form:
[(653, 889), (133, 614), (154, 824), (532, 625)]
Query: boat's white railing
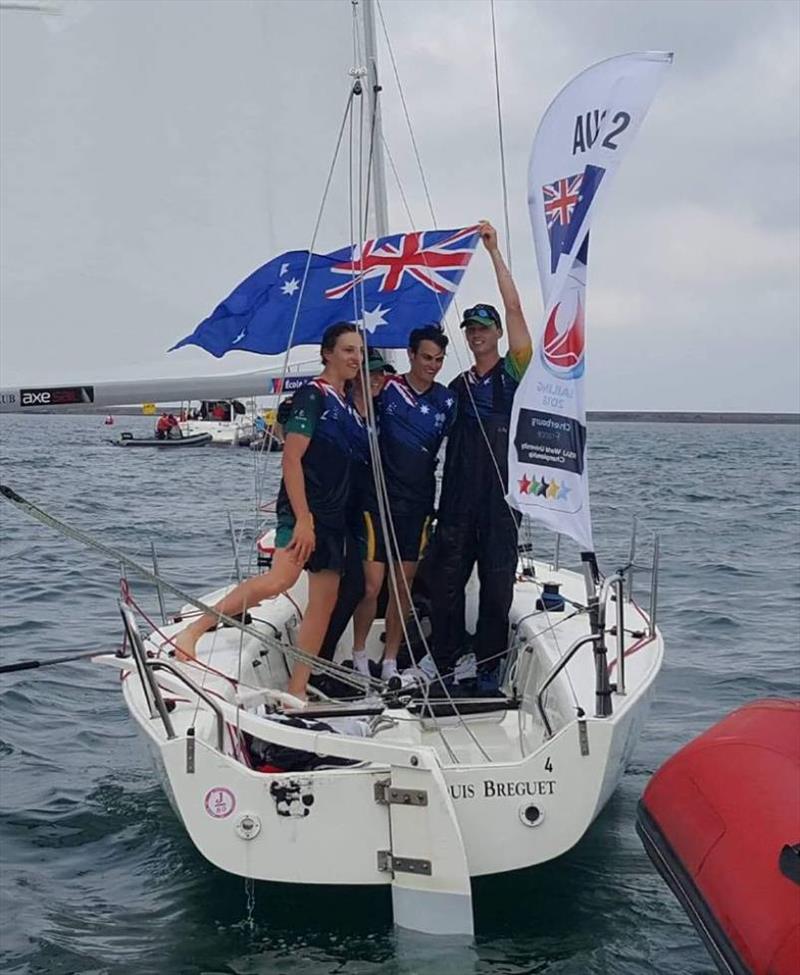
[(617, 588), (150, 688), (593, 638), (190, 684), (319, 743)]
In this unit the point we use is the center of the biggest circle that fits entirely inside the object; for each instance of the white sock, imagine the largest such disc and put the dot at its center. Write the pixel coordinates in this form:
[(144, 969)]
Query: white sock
[(361, 662), (389, 669)]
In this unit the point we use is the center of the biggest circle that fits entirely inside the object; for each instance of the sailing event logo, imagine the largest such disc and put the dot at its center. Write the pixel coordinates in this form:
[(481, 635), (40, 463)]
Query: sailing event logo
[(562, 348)]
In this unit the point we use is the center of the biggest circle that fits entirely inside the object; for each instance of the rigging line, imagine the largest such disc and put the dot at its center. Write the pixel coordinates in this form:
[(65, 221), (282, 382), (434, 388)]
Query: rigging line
[(453, 338), (384, 512), (323, 666), (443, 315), (500, 136), (354, 89), (406, 113), (393, 549), (454, 341), (433, 217)]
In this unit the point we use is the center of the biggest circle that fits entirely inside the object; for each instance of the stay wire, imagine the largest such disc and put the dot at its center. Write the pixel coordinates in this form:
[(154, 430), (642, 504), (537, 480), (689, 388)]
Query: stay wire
[(401, 92), (444, 320), (443, 317), (118, 558), (353, 90), (500, 136), (382, 496)]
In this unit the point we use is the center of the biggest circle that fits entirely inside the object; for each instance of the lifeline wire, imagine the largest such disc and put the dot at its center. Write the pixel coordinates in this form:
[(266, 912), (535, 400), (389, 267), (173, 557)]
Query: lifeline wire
[(387, 526), (433, 216), (323, 666)]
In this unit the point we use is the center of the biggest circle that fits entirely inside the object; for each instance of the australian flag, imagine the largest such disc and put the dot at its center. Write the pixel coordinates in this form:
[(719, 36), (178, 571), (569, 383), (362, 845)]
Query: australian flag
[(389, 285), (565, 205)]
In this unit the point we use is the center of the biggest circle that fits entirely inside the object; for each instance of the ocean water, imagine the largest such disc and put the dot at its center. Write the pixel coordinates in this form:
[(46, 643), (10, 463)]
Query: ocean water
[(96, 875)]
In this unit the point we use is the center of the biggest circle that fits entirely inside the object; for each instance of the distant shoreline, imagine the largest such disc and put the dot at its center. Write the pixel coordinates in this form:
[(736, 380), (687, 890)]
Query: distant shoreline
[(592, 416), (663, 416)]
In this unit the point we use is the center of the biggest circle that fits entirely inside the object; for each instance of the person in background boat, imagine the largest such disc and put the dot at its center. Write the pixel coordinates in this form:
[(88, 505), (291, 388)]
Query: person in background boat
[(351, 588), (414, 415), (312, 503), (174, 431), (165, 425), (219, 412), (474, 522)]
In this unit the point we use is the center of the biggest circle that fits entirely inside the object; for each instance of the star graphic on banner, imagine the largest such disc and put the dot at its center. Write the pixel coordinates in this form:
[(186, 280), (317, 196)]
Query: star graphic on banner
[(424, 409), (552, 491), (290, 287), (524, 484), (373, 319), (563, 492), (284, 269)]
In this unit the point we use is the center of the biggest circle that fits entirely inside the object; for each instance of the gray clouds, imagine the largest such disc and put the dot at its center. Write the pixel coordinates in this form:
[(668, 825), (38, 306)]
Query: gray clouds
[(154, 153)]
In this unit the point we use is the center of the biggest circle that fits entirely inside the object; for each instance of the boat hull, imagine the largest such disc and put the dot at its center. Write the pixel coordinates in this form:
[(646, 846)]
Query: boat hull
[(516, 795), (169, 443)]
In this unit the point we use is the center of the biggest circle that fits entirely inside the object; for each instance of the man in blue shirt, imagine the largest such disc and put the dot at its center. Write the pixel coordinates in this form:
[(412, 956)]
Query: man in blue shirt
[(475, 524), (414, 414)]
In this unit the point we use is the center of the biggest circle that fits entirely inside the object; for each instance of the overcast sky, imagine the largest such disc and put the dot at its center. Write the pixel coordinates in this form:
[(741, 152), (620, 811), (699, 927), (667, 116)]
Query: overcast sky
[(154, 153)]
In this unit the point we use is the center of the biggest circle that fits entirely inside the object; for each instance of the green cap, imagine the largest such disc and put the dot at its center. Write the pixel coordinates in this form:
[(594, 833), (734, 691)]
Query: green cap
[(485, 315), (375, 361)]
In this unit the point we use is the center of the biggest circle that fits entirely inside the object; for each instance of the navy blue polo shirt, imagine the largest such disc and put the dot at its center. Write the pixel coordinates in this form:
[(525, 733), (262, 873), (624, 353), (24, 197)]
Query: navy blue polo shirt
[(411, 428)]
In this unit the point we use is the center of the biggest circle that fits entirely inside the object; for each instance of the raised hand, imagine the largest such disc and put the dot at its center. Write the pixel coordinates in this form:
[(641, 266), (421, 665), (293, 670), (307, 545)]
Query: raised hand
[(488, 235)]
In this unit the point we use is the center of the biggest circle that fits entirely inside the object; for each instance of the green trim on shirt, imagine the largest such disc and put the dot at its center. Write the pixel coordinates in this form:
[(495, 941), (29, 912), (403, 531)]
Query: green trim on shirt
[(306, 410), (517, 362)]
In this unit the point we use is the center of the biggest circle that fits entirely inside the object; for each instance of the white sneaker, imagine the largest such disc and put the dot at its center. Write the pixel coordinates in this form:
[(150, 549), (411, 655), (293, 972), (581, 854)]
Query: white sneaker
[(428, 667), (389, 669), (466, 668), (361, 662)]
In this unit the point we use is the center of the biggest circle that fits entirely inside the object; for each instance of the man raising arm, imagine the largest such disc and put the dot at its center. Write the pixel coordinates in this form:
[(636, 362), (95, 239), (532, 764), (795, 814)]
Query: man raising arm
[(475, 525)]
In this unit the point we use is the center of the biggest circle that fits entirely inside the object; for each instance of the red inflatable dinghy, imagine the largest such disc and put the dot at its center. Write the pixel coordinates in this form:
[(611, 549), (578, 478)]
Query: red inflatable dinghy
[(721, 822)]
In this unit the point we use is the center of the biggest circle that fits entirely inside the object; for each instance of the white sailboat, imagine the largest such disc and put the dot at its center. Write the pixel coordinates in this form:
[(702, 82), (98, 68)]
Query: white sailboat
[(397, 788), (436, 792)]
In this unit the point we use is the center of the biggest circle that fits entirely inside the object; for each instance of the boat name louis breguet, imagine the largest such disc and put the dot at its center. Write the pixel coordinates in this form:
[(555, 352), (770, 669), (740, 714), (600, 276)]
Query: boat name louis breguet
[(489, 789)]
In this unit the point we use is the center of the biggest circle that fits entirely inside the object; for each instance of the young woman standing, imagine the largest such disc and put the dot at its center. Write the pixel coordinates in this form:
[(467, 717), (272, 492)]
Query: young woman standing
[(311, 533)]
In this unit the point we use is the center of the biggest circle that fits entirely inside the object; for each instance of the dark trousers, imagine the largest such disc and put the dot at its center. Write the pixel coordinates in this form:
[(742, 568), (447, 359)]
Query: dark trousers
[(351, 589), (490, 539)]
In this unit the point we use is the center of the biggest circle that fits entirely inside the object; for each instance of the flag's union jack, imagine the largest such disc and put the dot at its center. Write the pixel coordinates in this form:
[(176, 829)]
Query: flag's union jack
[(566, 203), (391, 262), (561, 198)]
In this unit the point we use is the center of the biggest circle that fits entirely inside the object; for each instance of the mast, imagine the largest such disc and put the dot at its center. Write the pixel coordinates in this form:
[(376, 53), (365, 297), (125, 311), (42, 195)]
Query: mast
[(381, 204), (381, 208)]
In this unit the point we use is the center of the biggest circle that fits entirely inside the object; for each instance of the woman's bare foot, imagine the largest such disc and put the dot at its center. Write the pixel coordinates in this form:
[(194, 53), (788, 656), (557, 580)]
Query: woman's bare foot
[(184, 644)]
